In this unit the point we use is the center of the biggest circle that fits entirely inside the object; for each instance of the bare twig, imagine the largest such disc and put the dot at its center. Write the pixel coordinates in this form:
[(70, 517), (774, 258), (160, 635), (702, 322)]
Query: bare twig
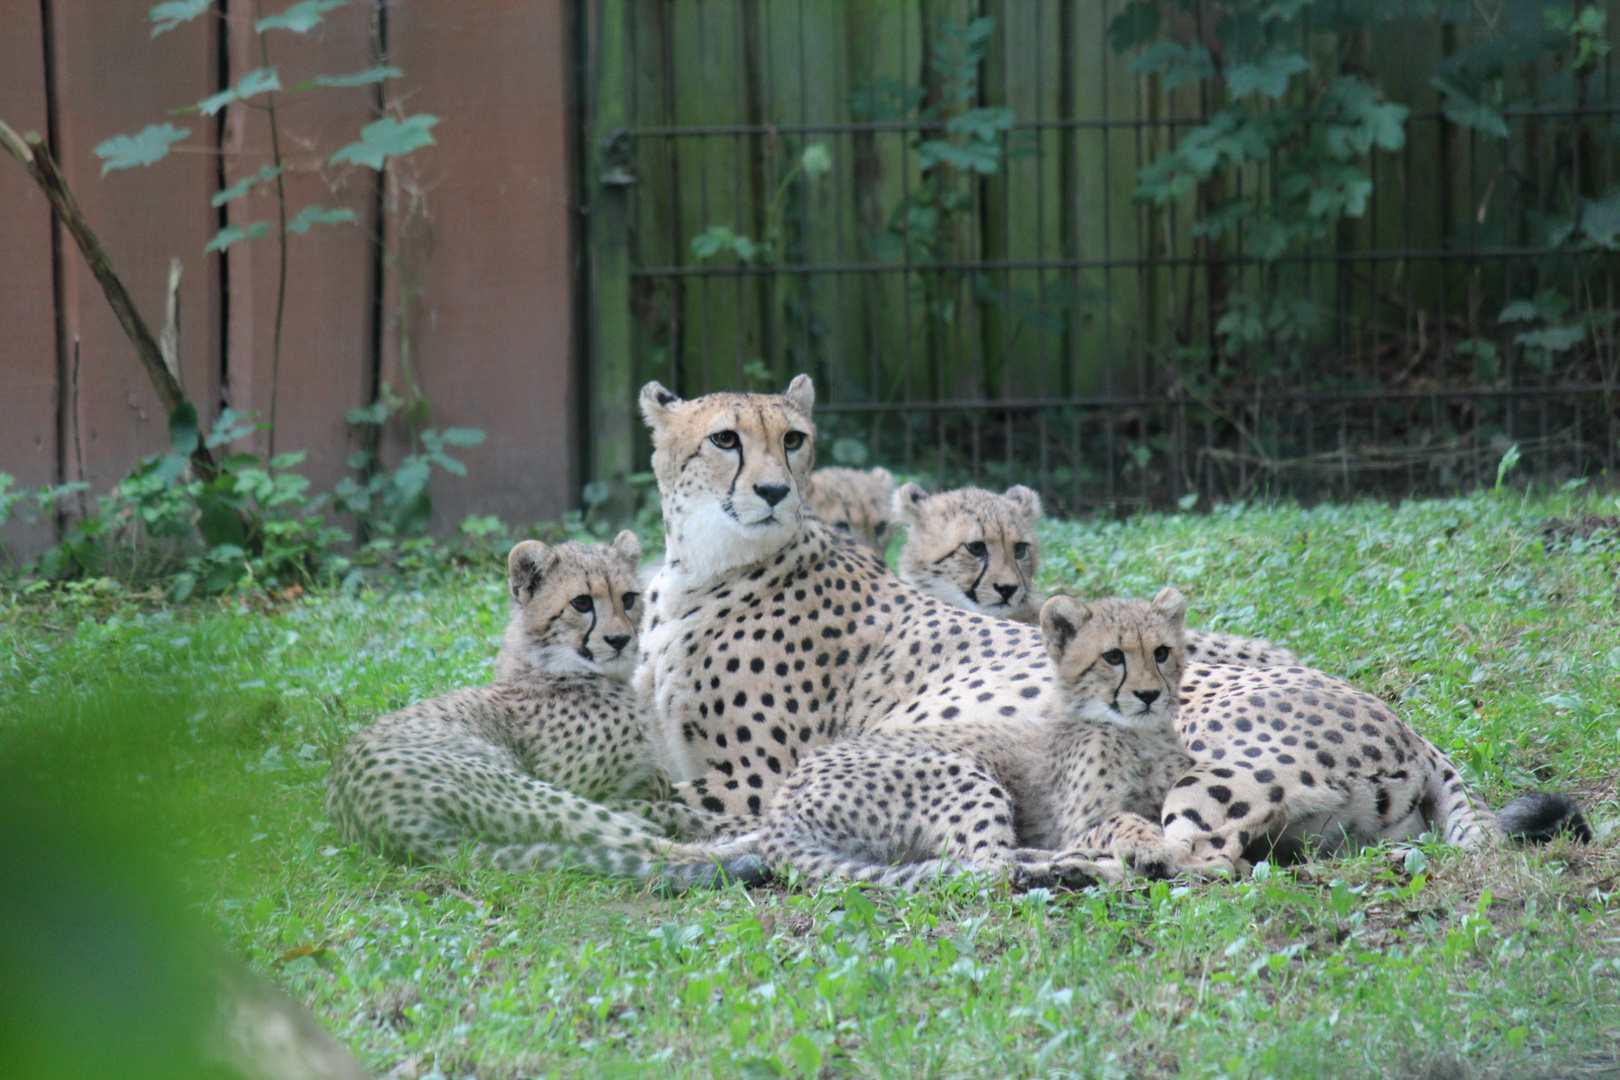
[(169, 339), (33, 155), (281, 210)]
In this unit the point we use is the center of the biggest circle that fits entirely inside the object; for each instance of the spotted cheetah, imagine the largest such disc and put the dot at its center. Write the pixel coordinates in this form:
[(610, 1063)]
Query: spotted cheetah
[(978, 550), (511, 768), (855, 501), (899, 808), (769, 632)]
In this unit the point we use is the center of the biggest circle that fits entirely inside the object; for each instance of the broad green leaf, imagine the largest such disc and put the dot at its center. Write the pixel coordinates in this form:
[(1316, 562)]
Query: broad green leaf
[(128, 151), (388, 138), (1519, 311), (1178, 63), (1552, 338), (170, 15), (183, 434), (1269, 75), (260, 81), (375, 413), (244, 185), (984, 124), (974, 156), (300, 18), (1464, 111), (805, 1055), (1359, 121), (462, 436), (359, 78), (1139, 22), (1600, 219), (230, 234), (317, 215)]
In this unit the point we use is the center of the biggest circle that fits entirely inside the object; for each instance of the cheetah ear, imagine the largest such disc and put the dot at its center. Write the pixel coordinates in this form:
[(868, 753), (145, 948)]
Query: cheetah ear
[(526, 565), (1172, 605), (658, 405), (1061, 620), (906, 504), (802, 393), (1027, 502), (885, 476), (627, 546)]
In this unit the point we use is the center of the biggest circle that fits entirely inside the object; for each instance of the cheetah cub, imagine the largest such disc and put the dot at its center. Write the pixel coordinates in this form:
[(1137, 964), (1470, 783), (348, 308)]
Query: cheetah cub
[(855, 502), (977, 550), (511, 768), (901, 808)]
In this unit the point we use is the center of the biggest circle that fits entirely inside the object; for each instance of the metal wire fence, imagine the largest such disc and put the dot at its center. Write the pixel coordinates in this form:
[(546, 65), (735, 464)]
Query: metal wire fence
[(1036, 321)]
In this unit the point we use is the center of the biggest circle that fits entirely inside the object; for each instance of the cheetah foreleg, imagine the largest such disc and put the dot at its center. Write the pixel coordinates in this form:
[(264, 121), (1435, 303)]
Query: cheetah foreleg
[(1136, 843)]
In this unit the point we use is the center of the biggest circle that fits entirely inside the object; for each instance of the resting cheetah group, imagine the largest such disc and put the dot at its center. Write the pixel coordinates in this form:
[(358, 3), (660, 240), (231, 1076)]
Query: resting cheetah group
[(795, 700)]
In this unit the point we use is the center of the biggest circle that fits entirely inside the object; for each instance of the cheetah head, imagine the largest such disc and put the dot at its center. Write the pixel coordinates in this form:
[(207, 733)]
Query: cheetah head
[(972, 549), (574, 608), (1119, 660), (732, 473), (854, 501)]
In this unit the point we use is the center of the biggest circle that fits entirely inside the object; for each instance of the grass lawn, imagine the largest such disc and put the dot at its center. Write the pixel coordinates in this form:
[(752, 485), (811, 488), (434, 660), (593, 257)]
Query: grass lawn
[(1436, 964)]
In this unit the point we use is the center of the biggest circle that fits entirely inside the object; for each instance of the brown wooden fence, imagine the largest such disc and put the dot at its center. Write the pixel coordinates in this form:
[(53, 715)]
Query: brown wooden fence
[(456, 278)]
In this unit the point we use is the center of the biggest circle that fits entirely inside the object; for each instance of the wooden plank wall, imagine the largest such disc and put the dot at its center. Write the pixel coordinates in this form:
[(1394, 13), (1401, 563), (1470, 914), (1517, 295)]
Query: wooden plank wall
[(462, 288)]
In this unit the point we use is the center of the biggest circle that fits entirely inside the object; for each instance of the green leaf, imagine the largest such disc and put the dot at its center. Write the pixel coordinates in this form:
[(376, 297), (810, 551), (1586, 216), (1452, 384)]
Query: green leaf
[(804, 1055), (170, 15), (1358, 120), (1269, 75), (1179, 63), (1464, 111), (230, 234), (984, 124), (244, 185), (1139, 22), (463, 436), (259, 81), (300, 18), (128, 151), (317, 215), (1552, 338), (1600, 219), (183, 433), (375, 413), (973, 156), (1519, 311), (359, 78), (388, 138)]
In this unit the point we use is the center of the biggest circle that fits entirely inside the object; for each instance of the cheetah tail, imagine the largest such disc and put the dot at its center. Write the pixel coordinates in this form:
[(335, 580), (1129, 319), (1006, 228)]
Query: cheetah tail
[(1466, 820), (818, 863), (669, 868), (1538, 816)]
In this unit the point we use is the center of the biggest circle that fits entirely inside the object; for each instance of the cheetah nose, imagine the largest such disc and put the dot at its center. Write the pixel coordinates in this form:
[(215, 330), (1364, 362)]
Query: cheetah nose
[(1006, 592), (1148, 697), (771, 493), (617, 641)]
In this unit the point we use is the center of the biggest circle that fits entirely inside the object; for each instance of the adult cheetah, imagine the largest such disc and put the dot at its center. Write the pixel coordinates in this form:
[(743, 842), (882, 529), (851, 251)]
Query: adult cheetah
[(978, 550), (508, 771), (769, 633)]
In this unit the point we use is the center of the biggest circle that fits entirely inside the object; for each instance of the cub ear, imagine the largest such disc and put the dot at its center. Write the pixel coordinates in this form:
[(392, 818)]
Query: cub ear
[(906, 504), (1061, 620), (1172, 605), (884, 476), (1027, 502), (657, 405), (526, 565), (802, 393), (627, 546)]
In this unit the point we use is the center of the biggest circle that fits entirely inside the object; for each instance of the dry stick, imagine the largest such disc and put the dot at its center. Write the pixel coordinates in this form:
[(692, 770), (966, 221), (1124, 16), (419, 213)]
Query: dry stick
[(169, 339), (32, 153), (281, 209)]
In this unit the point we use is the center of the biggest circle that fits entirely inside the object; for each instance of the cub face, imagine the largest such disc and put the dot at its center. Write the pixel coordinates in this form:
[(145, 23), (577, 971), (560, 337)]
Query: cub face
[(856, 502), (1118, 660), (733, 471), (576, 608), (970, 548)]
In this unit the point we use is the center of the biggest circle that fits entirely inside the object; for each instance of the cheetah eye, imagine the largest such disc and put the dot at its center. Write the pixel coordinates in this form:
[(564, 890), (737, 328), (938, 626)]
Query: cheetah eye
[(1162, 653), (629, 600), (977, 549), (842, 526), (1115, 657), (1020, 549), (725, 440), (793, 440), (582, 603), (881, 528)]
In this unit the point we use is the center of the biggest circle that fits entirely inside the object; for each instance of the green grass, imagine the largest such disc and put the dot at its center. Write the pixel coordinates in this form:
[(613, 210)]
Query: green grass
[(1440, 963)]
